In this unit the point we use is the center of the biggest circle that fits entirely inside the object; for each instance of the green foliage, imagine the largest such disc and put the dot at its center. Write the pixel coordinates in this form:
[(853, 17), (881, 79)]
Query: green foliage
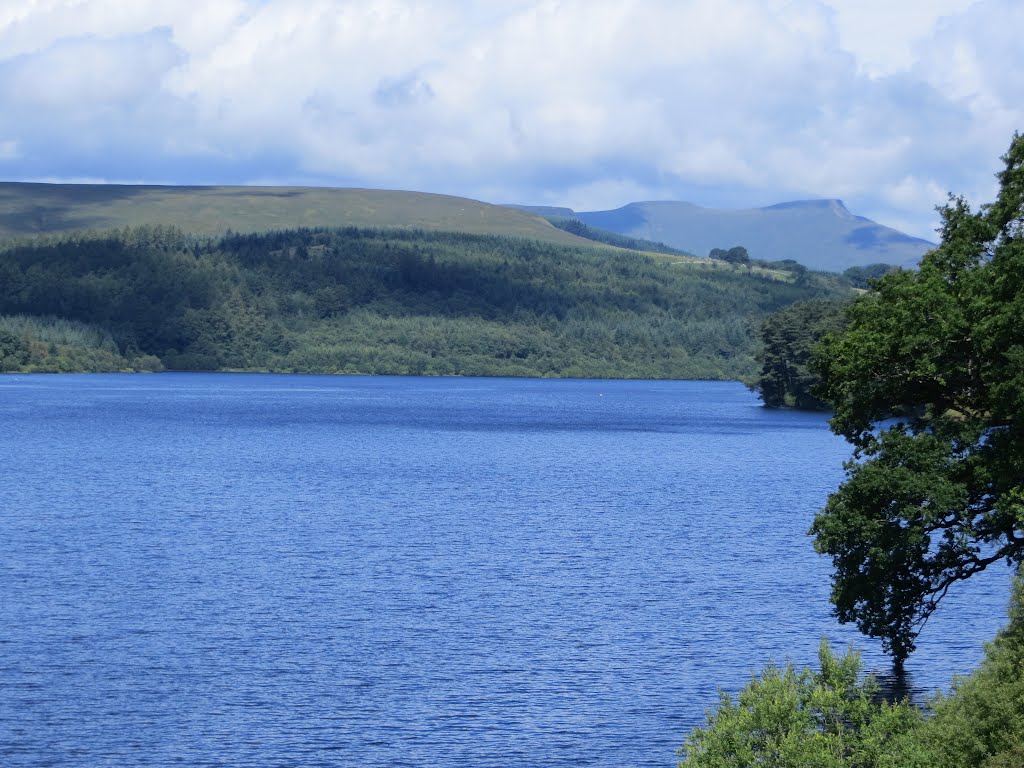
[(53, 345), (53, 330), (14, 350), (833, 717), (788, 336), (397, 302), (862, 277), (735, 255), (981, 723), (785, 265), (789, 718), (578, 228), (928, 385)]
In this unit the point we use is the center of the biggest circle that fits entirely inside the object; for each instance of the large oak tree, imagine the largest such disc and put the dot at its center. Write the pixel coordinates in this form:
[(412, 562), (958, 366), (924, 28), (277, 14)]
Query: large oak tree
[(927, 382)]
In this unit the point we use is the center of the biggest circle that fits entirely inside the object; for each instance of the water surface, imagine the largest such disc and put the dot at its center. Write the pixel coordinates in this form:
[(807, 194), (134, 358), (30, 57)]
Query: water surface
[(253, 570)]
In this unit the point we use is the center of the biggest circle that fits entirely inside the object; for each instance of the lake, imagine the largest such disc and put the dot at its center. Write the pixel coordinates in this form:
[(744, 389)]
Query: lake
[(260, 570)]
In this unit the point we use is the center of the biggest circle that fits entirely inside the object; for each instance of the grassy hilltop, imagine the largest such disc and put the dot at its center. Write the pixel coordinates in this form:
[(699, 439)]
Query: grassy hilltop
[(33, 209)]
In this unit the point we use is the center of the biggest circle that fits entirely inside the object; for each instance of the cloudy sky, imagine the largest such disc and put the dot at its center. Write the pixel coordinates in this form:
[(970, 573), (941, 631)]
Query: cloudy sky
[(887, 104)]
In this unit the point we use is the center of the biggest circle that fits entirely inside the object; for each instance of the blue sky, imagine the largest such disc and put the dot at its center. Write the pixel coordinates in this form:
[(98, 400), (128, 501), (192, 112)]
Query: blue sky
[(887, 104)]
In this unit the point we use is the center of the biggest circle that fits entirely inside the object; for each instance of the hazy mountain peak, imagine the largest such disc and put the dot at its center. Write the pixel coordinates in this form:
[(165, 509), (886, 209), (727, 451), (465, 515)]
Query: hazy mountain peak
[(822, 233), (834, 204), (665, 204)]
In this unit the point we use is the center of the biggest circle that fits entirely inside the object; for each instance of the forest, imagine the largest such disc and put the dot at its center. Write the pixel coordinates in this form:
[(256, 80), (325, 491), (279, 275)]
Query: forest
[(365, 301)]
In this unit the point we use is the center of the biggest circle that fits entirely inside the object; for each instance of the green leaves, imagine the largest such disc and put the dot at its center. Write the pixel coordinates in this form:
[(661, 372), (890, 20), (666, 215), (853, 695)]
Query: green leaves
[(833, 718), (982, 722), (788, 336), (787, 718), (889, 532), (927, 381)]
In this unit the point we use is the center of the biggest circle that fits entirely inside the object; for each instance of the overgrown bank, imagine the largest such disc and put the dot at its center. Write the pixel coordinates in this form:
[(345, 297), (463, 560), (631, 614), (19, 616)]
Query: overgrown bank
[(833, 718)]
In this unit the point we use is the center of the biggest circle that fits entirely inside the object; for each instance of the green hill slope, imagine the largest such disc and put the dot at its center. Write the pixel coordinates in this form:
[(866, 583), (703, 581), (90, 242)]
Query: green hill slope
[(394, 302), (33, 209)]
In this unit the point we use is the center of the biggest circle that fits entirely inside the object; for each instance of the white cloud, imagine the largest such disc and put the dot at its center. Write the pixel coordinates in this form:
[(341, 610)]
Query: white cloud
[(77, 74), (912, 193), (30, 26), (568, 101), (883, 34), (8, 149)]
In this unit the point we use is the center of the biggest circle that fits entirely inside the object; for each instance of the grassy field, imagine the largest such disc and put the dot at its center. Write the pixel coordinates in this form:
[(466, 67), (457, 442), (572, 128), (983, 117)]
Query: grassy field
[(33, 209)]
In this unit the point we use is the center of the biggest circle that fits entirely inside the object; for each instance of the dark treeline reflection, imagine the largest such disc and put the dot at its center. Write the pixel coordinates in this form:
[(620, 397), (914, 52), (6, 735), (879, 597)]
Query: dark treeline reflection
[(898, 685)]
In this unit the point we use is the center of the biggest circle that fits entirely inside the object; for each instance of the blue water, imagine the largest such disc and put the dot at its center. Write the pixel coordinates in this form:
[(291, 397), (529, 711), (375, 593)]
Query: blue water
[(249, 570)]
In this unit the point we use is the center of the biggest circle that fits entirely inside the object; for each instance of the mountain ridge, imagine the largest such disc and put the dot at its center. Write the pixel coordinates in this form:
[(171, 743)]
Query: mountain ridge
[(819, 233)]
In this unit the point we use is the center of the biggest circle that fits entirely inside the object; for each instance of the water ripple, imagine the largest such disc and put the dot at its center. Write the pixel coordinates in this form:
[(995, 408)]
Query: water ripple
[(287, 570)]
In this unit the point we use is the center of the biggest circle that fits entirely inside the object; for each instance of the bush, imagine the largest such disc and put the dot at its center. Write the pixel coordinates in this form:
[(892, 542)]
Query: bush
[(981, 723), (786, 718)]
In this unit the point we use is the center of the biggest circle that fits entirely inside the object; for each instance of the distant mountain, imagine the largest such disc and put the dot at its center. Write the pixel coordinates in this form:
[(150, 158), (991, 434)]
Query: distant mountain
[(32, 209), (547, 211), (821, 234), (566, 220)]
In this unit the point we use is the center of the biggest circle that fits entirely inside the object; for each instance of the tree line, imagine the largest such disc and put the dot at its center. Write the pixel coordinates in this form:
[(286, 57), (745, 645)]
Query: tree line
[(394, 302)]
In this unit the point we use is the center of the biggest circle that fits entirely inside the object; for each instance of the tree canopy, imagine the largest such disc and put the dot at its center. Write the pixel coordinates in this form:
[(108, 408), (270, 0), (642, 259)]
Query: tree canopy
[(981, 723), (380, 302), (788, 337), (735, 255), (927, 382), (861, 277)]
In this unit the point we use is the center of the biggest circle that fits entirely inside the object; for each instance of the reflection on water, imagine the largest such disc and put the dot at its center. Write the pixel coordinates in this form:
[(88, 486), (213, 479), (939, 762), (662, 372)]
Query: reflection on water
[(898, 685)]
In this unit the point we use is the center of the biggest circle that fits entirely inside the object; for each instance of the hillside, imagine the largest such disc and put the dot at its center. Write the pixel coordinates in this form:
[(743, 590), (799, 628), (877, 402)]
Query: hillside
[(820, 234), (34, 209), (381, 302)]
